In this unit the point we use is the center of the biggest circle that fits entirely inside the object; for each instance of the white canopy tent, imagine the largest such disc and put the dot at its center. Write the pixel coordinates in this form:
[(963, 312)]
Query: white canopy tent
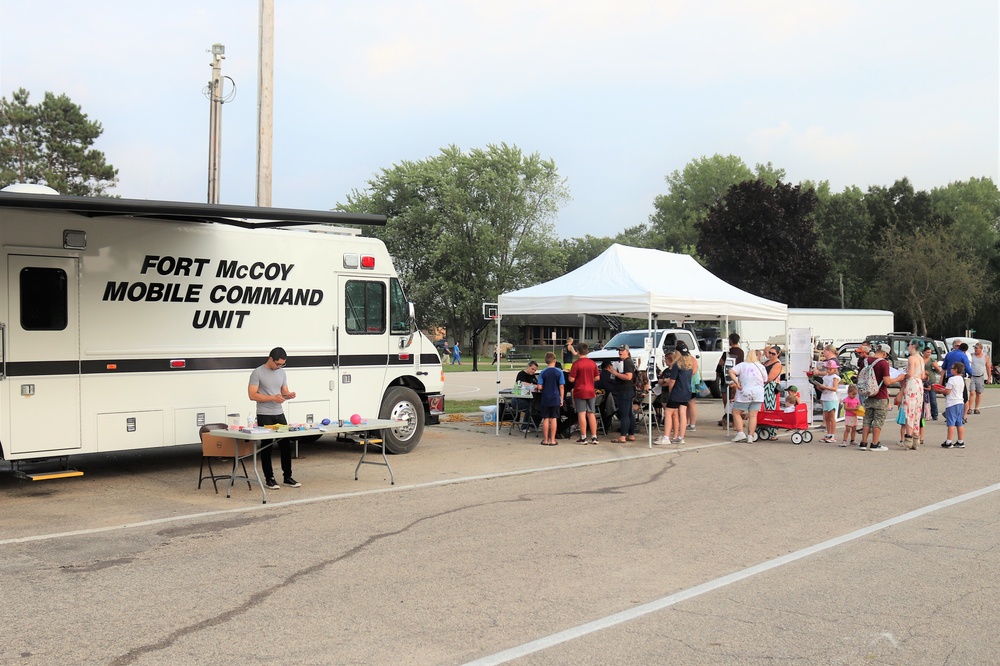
[(638, 282)]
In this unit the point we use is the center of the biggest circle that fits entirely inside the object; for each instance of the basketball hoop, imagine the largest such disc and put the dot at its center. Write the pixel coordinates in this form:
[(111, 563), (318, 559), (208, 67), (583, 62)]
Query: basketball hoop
[(491, 311)]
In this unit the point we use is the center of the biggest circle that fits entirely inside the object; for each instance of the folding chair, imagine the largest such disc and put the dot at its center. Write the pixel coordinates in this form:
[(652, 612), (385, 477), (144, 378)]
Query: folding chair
[(527, 422)]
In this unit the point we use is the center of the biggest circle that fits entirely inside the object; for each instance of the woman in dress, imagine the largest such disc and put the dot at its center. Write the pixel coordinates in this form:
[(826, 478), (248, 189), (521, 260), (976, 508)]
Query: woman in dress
[(913, 393), (774, 368)]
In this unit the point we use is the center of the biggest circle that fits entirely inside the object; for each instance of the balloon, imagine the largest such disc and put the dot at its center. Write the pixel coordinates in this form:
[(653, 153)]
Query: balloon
[(355, 419)]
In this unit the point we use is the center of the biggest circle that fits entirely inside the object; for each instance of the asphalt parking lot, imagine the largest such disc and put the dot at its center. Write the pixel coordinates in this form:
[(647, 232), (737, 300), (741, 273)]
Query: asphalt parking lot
[(492, 549)]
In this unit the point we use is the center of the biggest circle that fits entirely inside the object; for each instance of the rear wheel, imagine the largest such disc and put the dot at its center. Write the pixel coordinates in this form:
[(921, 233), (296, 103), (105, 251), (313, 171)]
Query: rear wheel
[(713, 388), (807, 437), (401, 403)]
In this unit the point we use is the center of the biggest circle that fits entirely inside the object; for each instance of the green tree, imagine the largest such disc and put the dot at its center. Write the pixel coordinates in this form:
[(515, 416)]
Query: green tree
[(578, 251), (845, 232), (465, 227), (50, 143), (702, 183), (926, 280), (762, 238)]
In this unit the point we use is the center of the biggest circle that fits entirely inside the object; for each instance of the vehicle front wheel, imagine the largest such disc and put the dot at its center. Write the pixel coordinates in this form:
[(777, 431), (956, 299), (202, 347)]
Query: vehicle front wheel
[(402, 404), (713, 388)]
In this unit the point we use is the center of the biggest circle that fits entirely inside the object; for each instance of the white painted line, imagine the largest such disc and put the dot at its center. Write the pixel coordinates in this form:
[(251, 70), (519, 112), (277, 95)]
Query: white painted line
[(359, 493), (665, 602)]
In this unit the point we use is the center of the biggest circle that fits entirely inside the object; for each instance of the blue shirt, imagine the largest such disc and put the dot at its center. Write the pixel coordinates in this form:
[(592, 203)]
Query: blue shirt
[(953, 356), (551, 379), (681, 392)]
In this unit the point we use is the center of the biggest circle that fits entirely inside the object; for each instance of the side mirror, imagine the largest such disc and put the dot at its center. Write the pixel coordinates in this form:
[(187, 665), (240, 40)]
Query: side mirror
[(411, 315)]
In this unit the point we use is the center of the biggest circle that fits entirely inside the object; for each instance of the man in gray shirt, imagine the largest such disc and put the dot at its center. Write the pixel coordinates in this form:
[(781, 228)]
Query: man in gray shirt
[(269, 388)]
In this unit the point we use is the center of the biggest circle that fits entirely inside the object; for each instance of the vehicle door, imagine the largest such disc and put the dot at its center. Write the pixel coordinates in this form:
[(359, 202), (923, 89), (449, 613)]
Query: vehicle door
[(364, 344), (42, 353)]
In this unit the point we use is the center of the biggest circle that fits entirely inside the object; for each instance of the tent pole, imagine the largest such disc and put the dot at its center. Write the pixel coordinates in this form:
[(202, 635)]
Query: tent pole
[(498, 373), (724, 386), (649, 393)]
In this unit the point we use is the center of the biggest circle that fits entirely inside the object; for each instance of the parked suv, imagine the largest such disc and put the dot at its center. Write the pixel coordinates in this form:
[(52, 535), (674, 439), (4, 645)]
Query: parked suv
[(898, 342)]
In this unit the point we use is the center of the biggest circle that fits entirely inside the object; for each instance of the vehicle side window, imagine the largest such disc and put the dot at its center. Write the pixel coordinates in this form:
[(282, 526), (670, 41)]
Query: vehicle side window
[(399, 311), (364, 304), (43, 299), (899, 346)]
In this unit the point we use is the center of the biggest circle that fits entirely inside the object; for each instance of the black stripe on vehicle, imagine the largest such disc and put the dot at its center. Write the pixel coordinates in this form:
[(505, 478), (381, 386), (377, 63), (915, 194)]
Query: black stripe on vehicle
[(129, 365)]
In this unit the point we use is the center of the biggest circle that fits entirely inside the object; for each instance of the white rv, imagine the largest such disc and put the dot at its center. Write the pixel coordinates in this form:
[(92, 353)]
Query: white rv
[(129, 324)]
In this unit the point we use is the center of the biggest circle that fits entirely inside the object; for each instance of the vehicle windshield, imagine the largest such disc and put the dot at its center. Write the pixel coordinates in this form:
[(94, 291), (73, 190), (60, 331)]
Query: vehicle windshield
[(634, 339)]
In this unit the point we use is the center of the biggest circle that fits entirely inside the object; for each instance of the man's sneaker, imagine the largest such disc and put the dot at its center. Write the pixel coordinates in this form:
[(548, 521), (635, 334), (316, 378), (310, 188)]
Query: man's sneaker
[(691, 428), (878, 447), (740, 437), (959, 444), (289, 481), (271, 484), (862, 446), (946, 444), (582, 440), (593, 440)]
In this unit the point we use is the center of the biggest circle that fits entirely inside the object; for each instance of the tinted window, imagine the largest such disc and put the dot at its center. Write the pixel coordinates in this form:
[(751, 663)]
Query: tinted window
[(43, 299), (365, 307), (399, 310)]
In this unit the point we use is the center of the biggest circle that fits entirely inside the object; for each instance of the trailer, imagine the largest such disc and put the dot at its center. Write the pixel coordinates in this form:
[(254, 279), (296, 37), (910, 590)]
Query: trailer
[(829, 326), (128, 324)]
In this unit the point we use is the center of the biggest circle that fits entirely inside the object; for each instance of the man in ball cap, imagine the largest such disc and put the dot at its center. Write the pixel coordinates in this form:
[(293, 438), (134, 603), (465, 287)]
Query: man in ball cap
[(877, 405)]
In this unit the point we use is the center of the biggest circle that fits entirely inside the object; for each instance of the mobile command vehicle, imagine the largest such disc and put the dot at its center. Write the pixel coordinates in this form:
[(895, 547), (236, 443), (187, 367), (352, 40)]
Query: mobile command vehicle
[(129, 324)]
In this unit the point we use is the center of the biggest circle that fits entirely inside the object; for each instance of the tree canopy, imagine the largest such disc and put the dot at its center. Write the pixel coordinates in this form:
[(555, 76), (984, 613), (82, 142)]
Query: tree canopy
[(762, 238), (693, 191), (466, 226), (50, 143)]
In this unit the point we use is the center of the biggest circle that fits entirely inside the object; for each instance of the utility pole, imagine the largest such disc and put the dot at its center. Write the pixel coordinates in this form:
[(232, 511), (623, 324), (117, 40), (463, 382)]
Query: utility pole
[(265, 101), (215, 122)]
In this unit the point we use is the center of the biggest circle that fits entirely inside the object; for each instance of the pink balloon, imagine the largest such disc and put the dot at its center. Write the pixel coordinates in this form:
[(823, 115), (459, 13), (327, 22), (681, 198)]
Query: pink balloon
[(355, 419)]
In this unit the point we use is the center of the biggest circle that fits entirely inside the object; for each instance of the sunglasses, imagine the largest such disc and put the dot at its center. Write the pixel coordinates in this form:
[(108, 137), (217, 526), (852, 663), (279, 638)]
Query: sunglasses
[(280, 364)]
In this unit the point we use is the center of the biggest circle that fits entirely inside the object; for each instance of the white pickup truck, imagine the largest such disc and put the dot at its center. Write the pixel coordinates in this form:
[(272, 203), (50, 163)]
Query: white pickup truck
[(665, 339)]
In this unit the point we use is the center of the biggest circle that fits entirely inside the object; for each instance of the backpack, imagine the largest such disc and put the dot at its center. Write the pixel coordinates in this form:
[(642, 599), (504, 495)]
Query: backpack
[(867, 384)]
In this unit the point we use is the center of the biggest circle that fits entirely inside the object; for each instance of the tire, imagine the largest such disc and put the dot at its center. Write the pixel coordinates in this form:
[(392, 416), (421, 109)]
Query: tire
[(807, 437), (402, 403), (762, 433), (796, 438), (713, 388)]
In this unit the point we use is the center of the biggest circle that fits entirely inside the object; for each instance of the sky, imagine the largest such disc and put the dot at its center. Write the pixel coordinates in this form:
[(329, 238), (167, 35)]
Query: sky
[(617, 94)]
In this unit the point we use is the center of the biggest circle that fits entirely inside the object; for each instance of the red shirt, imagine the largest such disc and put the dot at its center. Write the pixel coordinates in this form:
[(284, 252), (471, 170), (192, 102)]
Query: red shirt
[(583, 374), (881, 372)]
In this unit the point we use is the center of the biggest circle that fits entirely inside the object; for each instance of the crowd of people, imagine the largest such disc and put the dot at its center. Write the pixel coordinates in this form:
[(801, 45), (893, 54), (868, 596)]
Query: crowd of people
[(755, 383)]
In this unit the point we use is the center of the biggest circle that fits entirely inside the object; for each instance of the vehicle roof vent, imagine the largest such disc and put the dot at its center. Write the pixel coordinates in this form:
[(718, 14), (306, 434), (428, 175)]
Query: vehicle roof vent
[(29, 188)]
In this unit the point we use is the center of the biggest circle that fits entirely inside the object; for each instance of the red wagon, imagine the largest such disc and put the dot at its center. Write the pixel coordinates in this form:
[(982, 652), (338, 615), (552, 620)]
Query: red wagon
[(769, 420)]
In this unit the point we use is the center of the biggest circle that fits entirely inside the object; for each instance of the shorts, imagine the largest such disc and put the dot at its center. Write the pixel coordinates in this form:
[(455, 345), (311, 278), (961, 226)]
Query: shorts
[(830, 405), (673, 404), (550, 412), (968, 389), (584, 405), (875, 411), (850, 420), (978, 383), (954, 415), (747, 406)]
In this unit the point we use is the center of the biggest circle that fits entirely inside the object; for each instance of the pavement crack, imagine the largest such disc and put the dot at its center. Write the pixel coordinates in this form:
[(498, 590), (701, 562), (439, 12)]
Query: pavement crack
[(618, 490), (260, 596)]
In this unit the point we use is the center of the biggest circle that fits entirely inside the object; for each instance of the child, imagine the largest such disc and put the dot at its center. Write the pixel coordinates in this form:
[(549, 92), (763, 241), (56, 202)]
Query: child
[(553, 383), (831, 380), (851, 406), (901, 421), (792, 398), (954, 406)]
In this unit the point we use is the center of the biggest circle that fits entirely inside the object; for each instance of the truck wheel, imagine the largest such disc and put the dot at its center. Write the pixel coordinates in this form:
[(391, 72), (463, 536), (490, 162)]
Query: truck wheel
[(713, 388), (403, 404)]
